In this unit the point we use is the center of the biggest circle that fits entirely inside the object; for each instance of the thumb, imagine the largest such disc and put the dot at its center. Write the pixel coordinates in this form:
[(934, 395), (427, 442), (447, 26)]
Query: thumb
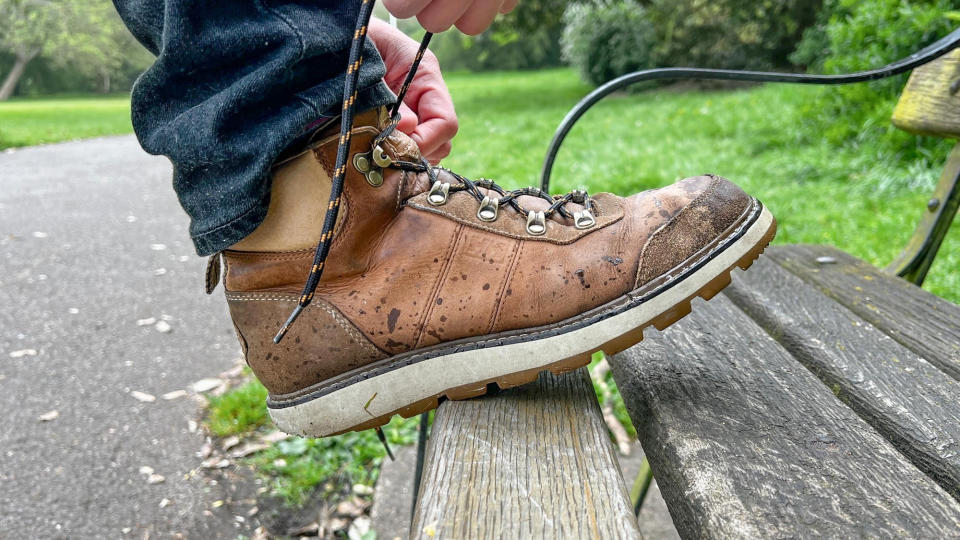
[(408, 119)]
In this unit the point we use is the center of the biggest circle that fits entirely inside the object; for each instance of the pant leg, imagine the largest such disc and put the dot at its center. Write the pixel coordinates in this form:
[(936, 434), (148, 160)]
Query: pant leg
[(234, 84)]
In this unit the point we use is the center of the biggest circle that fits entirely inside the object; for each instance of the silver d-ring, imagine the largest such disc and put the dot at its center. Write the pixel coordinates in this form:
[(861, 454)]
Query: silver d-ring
[(584, 220), (438, 193), (489, 208), (536, 224)]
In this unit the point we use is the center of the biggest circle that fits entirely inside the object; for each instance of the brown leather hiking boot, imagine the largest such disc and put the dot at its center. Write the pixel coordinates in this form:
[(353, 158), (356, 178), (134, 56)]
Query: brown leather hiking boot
[(436, 286)]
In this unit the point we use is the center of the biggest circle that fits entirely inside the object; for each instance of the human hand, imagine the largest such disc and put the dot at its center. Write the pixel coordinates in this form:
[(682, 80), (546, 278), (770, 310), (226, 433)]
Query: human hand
[(470, 16), (426, 114)]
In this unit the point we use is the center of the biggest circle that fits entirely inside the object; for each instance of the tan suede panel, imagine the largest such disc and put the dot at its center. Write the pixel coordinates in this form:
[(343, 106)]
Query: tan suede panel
[(322, 345), (699, 223)]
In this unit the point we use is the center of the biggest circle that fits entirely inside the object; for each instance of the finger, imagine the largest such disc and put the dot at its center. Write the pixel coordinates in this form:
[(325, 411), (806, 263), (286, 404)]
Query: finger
[(478, 17), (508, 6), (404, 9), (429, 98), (408, 119), (441, 14), (440, 153)]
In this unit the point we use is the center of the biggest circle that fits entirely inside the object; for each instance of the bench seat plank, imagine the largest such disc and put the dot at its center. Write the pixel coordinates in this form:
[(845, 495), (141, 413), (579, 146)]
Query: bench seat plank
[(908, 400), (924, 323), (530, 462), (746, 443)]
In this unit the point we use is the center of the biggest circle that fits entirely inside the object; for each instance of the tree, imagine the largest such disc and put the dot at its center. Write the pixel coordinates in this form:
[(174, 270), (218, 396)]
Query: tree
[(86, 35)]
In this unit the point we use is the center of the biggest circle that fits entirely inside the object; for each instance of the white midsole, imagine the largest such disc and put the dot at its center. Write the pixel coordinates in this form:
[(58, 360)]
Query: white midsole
[(381, 395)]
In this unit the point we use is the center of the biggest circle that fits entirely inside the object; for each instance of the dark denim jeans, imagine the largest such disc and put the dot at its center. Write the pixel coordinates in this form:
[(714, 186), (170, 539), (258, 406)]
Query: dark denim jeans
[(235, 84)]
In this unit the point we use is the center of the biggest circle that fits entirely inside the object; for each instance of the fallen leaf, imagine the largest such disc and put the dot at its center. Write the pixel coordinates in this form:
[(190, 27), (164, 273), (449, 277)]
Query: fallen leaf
[(359, 528), (163, 327), (49, 416), (308, 529), (216, 462), (360, 489), (253, 511), (233, 373), (274, 437), (23, 352), (348, 509), (230, 442), (217, 504), (146, 470), (247, 449), (146, 322), (176, 394), (337, 524), (156, 479), (205, 385), (143, 396)]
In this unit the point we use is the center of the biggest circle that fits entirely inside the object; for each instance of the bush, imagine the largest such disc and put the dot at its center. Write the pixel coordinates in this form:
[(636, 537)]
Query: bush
[(731, 34), (526, 38), (607, 38), (854, 35)]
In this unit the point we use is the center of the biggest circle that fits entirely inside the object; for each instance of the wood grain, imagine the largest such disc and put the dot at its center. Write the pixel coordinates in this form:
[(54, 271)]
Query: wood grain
[(746, 443), (531, 462), (922, 322), (927, 105), (910, 402)]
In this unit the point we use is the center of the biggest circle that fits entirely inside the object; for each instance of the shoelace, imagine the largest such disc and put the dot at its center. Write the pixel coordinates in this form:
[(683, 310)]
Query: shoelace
[(489, 205)]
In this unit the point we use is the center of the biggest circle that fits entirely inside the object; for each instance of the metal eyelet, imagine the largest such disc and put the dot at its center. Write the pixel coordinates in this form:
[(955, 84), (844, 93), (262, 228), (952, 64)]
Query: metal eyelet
[(381, 158), (584, 220), (489, 208), (373, 174), (361, 162), (438, 193), (536, 224), (578, 196)]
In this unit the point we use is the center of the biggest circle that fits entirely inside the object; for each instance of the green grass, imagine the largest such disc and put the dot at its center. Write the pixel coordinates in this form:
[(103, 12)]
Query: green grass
[(856, 198), (47, 120), (866, 204), (296, 467), (239, 411)]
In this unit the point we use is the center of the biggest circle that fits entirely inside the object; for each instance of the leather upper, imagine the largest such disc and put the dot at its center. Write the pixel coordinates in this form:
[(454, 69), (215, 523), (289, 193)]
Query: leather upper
[(404, 274)]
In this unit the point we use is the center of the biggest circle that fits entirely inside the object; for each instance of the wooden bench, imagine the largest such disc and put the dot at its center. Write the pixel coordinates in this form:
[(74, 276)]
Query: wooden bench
[(819, 396)]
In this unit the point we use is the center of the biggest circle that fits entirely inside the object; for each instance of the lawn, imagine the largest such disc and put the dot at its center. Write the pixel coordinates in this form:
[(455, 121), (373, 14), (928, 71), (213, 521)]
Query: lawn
[(863, 203), (38, 121)]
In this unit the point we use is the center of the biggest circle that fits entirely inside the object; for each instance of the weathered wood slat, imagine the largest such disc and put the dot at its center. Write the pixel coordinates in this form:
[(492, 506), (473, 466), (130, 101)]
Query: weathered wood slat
[(929, 104), (530, 462), (746, 443), (924, 323), (908, 400)]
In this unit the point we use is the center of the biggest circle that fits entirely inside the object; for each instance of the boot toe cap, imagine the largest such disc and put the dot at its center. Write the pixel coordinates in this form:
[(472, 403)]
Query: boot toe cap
[(702, 209)]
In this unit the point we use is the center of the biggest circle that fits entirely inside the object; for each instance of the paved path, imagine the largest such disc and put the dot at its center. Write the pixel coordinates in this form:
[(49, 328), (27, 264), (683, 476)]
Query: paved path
[(85, 229)]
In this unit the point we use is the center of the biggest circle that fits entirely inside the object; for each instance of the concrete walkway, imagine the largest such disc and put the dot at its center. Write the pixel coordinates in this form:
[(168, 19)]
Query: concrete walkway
[(92, 240)]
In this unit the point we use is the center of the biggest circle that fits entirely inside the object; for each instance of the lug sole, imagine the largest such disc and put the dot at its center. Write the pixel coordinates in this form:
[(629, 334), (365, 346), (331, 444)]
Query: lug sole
[(419, 387)]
